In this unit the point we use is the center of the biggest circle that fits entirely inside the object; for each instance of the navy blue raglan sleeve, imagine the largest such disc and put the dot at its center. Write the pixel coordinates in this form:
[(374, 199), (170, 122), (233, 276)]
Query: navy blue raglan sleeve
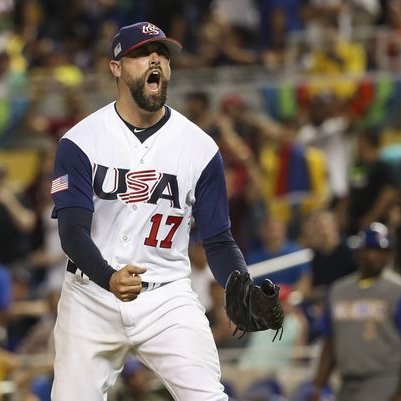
[(73, 167), (73, 199), (211, 205), (211, 213)]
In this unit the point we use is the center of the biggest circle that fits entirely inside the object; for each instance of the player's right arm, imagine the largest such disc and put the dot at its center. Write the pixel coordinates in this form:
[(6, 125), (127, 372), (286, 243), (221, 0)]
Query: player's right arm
[(74, 208)]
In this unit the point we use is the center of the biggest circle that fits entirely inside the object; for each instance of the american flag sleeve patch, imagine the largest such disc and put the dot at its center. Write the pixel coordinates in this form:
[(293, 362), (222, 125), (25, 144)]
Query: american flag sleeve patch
[(59, 184)]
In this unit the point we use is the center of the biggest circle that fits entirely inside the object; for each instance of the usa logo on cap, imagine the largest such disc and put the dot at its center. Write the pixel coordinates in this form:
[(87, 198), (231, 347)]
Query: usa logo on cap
[(150, 29), (117, 49)]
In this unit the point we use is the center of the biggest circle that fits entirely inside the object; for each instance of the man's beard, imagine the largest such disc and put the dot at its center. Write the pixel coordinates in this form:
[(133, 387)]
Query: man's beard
[(146, 102)]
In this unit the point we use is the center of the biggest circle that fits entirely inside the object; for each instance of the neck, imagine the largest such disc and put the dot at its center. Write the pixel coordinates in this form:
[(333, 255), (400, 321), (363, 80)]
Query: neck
[(136, 116)]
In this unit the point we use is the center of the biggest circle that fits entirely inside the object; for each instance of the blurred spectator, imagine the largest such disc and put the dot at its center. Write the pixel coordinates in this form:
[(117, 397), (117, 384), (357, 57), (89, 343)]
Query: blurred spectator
[(16, 221), (198, 110), (240, 17), (74, 108), (275, 243), (13, 98), (136, 384), (319, 14), (325, 53), (47, 259), (373, 187), (385, 49), (260, 353), (362, 325), (347, 15), (263, 390), (37, 191), (361, 14), (332, 257), (222, 328), (201, 276), (240, 133), (8, 363), (394, 225), (39, 339), (241, 169), (38, 344), (170, 17), (327, 130), (5, 297), (305, 389), (220, 43), (295, 181), (25, 311), (278, 19)]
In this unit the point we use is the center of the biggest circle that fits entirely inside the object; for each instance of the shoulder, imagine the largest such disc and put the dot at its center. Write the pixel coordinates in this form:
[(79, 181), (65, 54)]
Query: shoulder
[(91, 125), (392, 278)]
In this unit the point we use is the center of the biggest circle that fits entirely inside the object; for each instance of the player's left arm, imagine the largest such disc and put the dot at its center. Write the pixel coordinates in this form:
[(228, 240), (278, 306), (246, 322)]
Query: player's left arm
[(249, 306), (211, 215)]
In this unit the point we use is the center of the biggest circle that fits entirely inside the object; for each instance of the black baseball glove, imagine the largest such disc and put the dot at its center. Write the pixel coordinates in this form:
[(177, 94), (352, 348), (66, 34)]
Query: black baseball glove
[(251, 307)]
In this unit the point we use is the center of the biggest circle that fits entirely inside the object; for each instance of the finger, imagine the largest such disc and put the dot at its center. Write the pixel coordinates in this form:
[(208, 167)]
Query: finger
[(131, 289), (127, 296), (131, 281), (135, 269)]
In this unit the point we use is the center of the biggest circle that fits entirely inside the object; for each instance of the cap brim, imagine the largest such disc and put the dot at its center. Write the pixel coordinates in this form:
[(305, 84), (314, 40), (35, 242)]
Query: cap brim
[(174, 47)]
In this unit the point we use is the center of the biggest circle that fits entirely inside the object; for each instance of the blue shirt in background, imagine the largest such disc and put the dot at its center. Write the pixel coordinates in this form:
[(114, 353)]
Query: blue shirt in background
[(288, 276)]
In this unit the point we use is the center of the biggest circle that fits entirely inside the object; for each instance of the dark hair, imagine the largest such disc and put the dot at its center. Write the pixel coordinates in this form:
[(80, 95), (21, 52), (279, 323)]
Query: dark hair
[(199, 96)]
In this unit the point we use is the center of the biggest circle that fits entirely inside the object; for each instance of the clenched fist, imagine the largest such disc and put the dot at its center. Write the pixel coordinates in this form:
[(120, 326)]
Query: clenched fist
[(126, 283)]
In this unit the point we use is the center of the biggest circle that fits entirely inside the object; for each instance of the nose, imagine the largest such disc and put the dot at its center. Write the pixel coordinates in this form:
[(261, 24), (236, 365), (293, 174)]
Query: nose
[(154, 58)]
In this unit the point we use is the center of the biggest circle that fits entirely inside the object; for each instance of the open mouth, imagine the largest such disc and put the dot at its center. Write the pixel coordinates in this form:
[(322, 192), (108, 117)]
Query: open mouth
[(153, 80)]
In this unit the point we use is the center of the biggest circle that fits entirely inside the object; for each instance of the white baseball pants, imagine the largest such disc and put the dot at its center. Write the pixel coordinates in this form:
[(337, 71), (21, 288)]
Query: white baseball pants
[(165, 328)]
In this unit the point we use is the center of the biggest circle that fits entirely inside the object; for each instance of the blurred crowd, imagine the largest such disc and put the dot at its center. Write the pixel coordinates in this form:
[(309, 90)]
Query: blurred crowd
[(309, 170), (71, 37), (68, 39)]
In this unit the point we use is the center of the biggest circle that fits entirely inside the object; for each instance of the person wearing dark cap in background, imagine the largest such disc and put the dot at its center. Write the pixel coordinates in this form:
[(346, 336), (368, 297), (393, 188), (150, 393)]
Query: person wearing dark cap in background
[(362, 325), (140, 172), (136, 384)]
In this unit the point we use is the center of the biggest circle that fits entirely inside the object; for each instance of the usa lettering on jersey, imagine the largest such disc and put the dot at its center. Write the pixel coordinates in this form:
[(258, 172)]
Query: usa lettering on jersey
[(137, 186)]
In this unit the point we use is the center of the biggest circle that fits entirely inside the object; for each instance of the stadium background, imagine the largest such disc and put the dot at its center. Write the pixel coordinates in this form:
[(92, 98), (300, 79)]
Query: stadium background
[(254, 74)]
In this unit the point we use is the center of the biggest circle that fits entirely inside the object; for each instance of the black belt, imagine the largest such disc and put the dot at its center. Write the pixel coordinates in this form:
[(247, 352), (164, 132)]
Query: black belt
[(146, 286)]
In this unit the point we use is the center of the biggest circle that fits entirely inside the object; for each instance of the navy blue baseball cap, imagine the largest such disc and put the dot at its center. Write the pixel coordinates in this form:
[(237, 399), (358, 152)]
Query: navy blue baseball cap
[(376, 236), (131, 37)]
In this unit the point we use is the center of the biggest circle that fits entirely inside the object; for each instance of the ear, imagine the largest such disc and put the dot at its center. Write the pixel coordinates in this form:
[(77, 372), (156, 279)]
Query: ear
[(115, 68)]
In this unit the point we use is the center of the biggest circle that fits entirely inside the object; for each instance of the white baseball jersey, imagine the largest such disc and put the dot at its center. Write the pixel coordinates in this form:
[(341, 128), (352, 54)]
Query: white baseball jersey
[(143, 195)]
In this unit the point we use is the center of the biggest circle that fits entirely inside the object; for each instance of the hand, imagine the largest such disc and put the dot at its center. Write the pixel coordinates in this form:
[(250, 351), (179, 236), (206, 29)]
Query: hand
[(396, 397), (126, 283)]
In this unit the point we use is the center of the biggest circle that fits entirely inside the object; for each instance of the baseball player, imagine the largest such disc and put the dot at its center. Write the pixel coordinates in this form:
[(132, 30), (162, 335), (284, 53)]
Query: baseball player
[(128, 180), (363, 326)]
